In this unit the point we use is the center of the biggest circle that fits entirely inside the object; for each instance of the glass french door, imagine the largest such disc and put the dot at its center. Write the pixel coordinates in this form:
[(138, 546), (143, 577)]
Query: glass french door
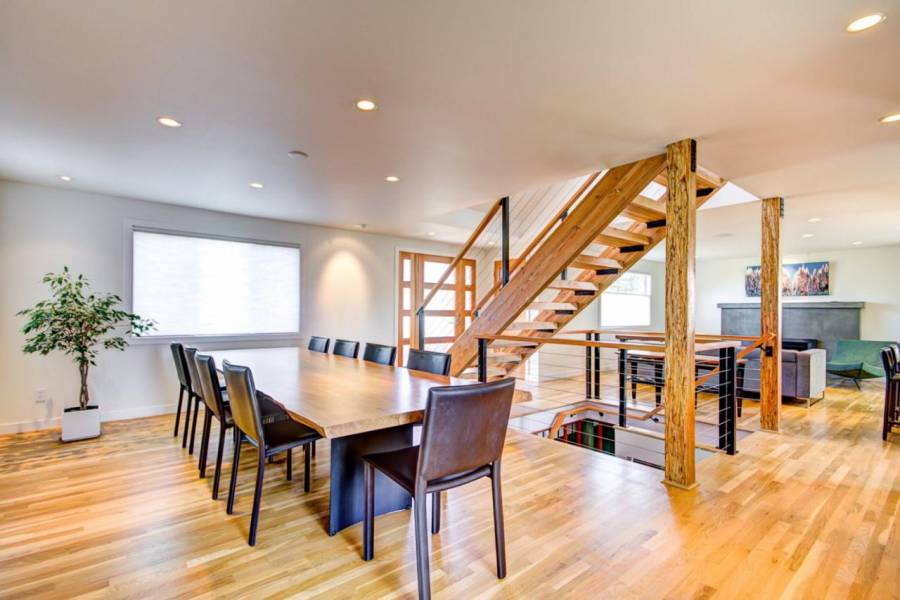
[(448, 313)]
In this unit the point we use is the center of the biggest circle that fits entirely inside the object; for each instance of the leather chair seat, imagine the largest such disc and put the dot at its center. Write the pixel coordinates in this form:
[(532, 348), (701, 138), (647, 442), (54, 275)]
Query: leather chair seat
[(282, 435), (271, 411), (400, 465)]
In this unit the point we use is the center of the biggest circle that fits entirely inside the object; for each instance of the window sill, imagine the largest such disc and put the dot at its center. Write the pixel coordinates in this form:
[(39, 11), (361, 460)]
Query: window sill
[(250, 338)]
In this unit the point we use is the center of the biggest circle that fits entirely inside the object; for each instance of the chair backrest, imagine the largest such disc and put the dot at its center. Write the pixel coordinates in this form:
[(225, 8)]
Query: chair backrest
[(209, 384), (189, 354), (318, 343), (464, 427), (896, 350), (889, 360), (180, 364), (379, 353), (428, 361), (242, 399), (346, 348)]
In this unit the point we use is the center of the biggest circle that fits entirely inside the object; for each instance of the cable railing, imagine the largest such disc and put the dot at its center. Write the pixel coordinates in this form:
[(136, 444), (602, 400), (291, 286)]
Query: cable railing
[(620, 382), (502, 232)]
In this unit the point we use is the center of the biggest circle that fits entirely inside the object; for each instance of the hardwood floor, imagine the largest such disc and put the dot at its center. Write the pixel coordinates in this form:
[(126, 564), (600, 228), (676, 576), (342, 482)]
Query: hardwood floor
[(811, 512)]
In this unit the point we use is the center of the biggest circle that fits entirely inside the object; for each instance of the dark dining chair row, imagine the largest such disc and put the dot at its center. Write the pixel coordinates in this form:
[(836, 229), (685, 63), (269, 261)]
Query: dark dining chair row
[(252, 415), (437, 363)]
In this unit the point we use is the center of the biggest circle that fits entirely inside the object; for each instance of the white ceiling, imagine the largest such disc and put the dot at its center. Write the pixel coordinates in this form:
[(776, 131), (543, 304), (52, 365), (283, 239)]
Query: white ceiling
[(477, 100)]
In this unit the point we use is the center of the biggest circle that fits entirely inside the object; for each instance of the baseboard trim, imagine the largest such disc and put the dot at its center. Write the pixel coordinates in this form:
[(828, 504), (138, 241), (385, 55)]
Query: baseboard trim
[(111, 415)]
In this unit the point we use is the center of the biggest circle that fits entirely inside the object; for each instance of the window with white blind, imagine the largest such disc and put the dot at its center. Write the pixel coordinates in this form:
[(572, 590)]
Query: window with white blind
[(195, 285), (626, 303)]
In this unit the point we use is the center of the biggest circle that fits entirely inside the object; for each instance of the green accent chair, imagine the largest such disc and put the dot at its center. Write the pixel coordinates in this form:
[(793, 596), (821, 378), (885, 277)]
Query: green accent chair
[(857, 359)]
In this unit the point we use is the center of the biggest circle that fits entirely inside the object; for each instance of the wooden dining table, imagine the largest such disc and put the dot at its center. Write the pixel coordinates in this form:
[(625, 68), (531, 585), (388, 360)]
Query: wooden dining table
[(360, 406)]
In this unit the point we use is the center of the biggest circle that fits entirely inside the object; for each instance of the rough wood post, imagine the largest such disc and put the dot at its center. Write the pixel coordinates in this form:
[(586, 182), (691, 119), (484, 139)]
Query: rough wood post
[(770, 315), (681, 221)]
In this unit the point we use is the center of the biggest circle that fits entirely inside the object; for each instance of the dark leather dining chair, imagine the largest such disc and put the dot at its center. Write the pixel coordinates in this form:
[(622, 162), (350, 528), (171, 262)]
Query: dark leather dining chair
[(437, 363), (269, 439), (462, 441), (378, 353), (184, 384), (891, 416), (346, 348), (179, 353), (318, 344), (218, 407)]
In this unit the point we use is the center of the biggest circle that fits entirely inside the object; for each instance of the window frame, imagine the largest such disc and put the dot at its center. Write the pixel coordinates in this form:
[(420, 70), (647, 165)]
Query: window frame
[(132, 226), (649, 296)]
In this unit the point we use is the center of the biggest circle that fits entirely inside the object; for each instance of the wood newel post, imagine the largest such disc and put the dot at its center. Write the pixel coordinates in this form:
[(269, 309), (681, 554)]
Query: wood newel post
[(770, 315), (681, 220)]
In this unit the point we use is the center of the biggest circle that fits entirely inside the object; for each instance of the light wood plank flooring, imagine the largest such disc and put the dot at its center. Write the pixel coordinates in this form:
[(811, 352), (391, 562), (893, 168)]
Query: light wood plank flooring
[(812, 512)]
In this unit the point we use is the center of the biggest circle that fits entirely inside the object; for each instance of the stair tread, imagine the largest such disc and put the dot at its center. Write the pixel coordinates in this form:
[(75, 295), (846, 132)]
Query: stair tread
[(512, 344), (614, 236), (586, 261), (538, 325), (569, 284), (503, 358), (471, 372), (552, 306), (645, 209)]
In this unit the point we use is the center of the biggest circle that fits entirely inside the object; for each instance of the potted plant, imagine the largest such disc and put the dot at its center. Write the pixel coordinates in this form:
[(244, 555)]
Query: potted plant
[(79, 323)]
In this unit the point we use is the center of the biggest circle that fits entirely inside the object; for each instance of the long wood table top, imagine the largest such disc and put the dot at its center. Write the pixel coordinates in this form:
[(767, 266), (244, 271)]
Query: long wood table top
[(335, 395)]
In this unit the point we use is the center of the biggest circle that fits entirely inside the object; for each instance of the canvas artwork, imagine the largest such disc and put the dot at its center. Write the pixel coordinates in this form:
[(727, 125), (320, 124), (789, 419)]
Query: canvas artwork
[(800, 279)]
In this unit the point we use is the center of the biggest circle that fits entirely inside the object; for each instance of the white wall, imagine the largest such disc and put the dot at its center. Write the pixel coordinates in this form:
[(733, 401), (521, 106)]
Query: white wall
[(857, 275), (348, 290)]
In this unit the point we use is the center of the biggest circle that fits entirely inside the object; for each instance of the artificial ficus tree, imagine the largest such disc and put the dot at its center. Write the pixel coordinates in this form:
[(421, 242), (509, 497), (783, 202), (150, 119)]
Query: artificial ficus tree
[(79, 323)]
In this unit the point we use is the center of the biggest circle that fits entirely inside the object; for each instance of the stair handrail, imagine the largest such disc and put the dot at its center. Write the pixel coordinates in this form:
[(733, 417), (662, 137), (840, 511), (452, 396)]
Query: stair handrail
[(456, 260), (560, 214)]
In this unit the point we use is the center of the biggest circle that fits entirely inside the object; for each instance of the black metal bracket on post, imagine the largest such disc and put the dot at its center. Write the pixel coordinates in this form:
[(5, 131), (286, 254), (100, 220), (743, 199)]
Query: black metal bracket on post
[(482, 360), (768, 350), (420, 316), (623, 359), (727, 388), (504, 236)]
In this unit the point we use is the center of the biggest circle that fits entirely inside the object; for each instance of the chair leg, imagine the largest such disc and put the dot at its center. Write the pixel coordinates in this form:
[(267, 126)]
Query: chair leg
[(194, 425), (257, 497), (435, 512), (290, 465), (218, 474), (187, 419), (423, 569), (204, 442), (306, 464), (856, 381), (368, 511), (234, 470), (499, 537), (178, 410)]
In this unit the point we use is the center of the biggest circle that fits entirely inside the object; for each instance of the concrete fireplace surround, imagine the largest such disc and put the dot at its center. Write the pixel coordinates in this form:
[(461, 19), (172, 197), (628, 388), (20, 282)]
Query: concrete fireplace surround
[(827, 322)]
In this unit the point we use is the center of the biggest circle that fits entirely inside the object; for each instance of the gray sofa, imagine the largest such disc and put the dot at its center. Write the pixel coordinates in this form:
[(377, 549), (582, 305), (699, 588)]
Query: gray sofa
[(802, 375)]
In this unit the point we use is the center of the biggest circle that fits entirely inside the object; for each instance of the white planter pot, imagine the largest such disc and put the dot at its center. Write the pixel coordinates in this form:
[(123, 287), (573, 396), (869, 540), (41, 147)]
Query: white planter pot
[(80, 424)]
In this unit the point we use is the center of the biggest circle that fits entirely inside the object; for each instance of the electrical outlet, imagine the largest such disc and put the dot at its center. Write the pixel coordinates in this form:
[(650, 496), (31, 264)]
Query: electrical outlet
[(40, 396)]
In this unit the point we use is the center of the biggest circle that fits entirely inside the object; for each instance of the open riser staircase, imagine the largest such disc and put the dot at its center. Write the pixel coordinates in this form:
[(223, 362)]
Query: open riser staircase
[(611, 224)]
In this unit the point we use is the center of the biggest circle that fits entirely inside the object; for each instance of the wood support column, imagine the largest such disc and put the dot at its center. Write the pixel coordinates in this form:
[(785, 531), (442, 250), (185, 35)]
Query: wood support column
[(681, 226), (770, 315)]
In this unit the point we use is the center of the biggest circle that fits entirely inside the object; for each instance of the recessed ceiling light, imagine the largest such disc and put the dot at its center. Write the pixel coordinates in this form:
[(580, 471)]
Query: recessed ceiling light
[(724, 234), (431, 233), (168, 121), (366, 105), (863, 23), (807, 235), (361, 226), (392, 179), (814, 219), (256, 185), (298, 154), (892, 118), (857, 243), (65, 178)]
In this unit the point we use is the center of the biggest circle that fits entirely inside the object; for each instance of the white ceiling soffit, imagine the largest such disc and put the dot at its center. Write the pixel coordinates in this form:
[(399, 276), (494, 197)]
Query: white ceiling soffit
[(476, 100)]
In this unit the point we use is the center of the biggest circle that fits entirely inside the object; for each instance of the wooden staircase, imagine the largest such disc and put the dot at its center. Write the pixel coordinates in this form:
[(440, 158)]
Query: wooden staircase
[(589, 248)]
